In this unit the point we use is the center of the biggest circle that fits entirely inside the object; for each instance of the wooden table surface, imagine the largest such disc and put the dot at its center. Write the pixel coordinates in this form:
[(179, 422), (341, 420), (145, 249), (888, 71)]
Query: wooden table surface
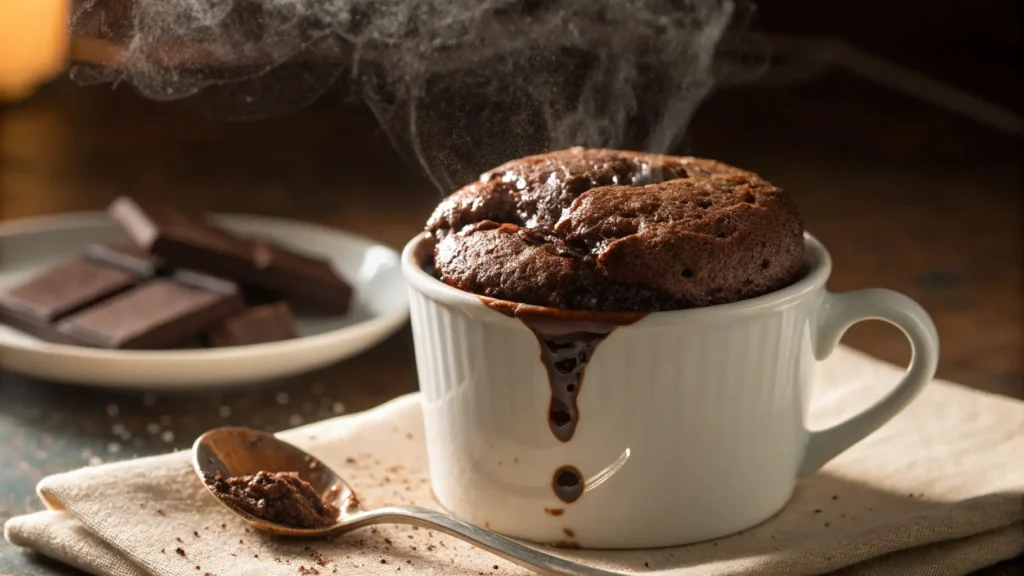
[(904, 195)]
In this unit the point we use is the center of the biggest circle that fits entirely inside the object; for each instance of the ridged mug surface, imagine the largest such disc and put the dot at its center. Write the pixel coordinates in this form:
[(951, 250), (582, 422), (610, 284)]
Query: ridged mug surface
[(690, 427)]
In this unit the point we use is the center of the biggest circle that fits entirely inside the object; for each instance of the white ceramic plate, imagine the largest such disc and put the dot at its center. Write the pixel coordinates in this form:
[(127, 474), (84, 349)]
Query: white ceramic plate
[(380, 307)]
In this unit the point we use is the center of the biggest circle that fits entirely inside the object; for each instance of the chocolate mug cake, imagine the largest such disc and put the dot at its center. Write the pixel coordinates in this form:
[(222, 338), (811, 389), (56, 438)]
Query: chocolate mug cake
[(608, 230), (690, 295)]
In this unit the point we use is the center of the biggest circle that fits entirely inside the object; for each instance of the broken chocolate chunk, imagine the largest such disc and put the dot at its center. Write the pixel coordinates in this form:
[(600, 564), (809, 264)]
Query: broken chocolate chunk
[(195, 242), (267, 323)]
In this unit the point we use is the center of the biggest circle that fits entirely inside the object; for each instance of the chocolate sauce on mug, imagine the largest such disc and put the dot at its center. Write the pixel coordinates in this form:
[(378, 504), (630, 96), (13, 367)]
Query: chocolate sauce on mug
[(565, 358), (567, 484), (568, 339)]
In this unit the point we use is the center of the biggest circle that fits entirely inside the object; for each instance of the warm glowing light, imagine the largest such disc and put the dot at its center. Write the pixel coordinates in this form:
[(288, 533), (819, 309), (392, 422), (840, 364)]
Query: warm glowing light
[(33, 44)]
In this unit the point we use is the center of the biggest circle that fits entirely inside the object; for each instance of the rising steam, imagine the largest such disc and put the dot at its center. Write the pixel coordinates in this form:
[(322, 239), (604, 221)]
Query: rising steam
[(460, 85)]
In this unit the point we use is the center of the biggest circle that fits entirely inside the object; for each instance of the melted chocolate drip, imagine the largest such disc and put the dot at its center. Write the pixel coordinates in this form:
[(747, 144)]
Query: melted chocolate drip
[(565, 357), (567, 484), (567, 341)]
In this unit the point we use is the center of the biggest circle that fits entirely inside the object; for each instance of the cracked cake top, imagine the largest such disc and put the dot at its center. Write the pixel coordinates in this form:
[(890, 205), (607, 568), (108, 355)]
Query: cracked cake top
[(609, 230)]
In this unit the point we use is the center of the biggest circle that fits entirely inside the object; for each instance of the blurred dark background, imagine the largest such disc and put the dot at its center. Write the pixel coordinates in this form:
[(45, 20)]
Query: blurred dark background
[(975, 46), (904, 153)]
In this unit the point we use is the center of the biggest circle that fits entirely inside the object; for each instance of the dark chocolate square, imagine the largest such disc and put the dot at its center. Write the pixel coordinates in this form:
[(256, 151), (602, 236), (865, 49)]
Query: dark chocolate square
[(266, 323), (37, 303), (162, 313)]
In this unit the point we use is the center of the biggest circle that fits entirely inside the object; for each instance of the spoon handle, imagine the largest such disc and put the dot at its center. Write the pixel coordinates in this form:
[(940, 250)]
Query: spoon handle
[(525, 556)]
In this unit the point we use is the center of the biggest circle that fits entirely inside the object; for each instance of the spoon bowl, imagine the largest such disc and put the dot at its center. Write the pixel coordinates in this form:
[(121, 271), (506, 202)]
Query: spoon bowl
[(236, 451), (231, 452)]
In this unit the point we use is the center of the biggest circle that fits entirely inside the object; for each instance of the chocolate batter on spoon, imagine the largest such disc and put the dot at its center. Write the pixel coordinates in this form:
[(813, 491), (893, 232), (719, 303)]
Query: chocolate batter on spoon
[(235, 464), (278, 497)]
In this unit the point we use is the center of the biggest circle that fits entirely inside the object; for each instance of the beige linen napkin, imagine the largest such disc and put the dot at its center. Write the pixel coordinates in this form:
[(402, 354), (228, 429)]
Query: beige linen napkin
[(936, 491)]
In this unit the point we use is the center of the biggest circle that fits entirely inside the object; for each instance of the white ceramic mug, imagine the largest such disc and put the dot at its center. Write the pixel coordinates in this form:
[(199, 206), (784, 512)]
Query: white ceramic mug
[(691, 423)]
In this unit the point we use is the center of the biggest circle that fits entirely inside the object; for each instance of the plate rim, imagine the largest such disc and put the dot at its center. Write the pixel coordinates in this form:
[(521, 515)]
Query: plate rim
[(388, 323)]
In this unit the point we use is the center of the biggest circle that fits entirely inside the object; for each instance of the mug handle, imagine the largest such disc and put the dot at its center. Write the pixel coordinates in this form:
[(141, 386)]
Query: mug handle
[(836, 313)]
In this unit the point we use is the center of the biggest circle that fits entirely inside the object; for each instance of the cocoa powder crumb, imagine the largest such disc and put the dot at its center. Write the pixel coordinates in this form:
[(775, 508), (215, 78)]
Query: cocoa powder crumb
[(179, 551), (817, 511), (196, 534), (160, 512), (163, 550), (176, 538)]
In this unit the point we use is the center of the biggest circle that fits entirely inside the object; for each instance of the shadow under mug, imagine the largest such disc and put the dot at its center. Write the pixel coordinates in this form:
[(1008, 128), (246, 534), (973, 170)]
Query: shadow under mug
[(691, 423)]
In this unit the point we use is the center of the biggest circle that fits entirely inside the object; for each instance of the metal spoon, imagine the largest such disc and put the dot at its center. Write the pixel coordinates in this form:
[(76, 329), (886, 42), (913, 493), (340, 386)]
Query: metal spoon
[(242, 452)]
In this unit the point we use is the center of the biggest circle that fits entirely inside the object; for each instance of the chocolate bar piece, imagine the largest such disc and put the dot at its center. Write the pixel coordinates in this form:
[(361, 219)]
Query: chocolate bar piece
[(126, 256), (196, 243), (36, 304), (161, 313), (266, 323), (260, 296), (305, 279)]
